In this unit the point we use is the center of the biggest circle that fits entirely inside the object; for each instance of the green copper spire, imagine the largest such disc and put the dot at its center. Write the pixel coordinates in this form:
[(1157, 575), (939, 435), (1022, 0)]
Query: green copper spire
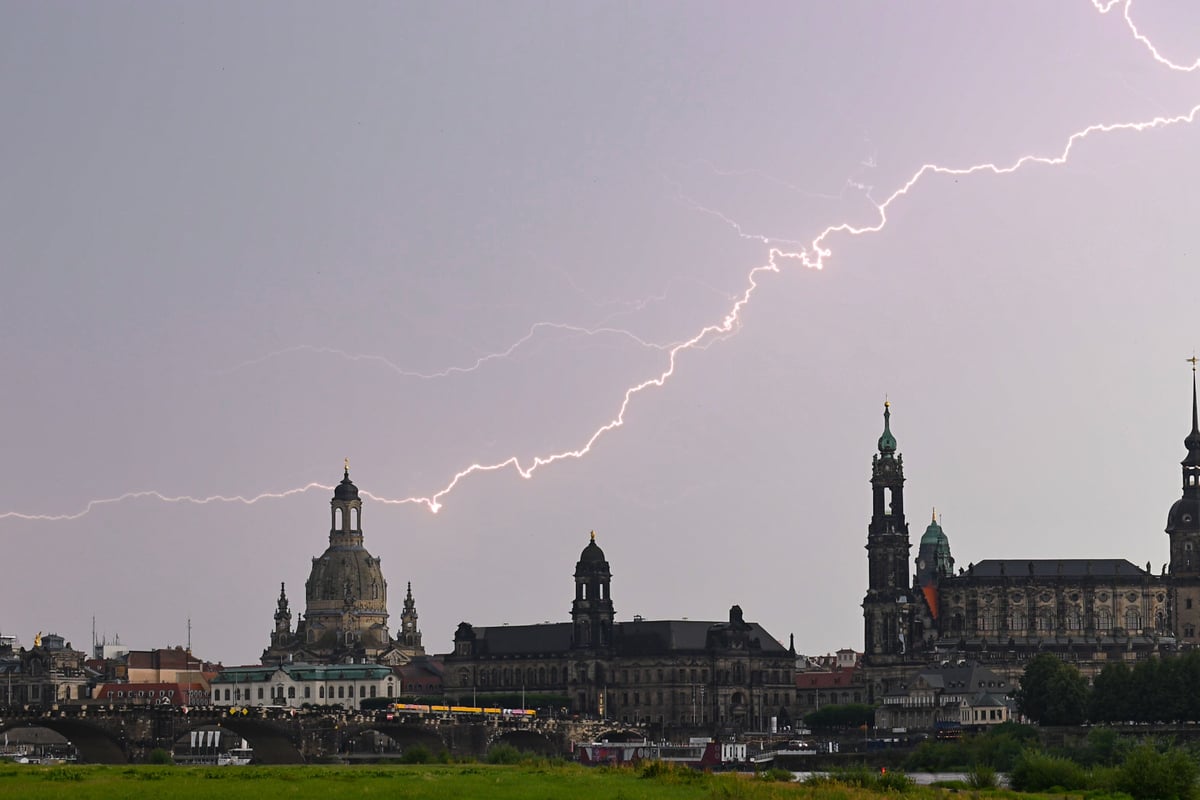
[(887, 442)]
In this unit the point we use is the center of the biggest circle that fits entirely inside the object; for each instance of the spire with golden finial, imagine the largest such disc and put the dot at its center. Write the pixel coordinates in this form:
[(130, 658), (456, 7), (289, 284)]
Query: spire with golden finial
[(593, 536)]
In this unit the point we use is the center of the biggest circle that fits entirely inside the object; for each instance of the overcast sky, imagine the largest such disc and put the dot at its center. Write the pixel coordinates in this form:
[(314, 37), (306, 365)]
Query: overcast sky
[(243, 241)]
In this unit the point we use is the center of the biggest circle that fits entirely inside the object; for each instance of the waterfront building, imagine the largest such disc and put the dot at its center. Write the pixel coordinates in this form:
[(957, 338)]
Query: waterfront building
[(1088, 610), (299, 685), (730, 675)]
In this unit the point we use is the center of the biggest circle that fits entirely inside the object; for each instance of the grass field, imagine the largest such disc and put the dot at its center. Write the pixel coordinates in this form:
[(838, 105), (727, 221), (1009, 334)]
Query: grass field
[(529, 781)]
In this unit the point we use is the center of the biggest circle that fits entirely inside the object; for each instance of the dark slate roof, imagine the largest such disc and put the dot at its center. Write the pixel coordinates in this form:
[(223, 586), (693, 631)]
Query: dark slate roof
[(968, 678), (639, 638), (512, 640), (1049, 568), (651, 637)]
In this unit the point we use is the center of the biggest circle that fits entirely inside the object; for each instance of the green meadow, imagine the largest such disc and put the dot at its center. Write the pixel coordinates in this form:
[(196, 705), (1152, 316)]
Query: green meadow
[(527, 781)]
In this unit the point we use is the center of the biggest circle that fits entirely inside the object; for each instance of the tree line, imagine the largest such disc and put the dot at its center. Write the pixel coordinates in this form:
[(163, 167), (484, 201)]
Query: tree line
[(1153, 690)]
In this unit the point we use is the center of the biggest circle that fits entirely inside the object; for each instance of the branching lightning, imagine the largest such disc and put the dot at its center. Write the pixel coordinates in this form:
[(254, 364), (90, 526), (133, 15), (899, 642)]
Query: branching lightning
[(813, 255), (457, 370), (1104, 6)]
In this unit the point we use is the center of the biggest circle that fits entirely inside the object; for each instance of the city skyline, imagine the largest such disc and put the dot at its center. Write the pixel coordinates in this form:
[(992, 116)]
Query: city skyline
[(244, 246)]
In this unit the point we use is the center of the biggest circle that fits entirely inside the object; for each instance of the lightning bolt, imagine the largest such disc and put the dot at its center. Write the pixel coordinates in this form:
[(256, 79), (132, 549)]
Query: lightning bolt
[(812, 256), (1105, 6), (454, 370), (199, 501)]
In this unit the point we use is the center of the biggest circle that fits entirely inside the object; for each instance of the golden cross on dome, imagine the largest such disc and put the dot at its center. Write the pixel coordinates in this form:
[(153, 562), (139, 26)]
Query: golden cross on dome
[(1192, 361), (346, 464)]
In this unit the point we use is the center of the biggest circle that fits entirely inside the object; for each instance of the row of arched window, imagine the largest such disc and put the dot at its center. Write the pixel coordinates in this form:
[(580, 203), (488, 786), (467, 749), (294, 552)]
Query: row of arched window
[(1045, 620)]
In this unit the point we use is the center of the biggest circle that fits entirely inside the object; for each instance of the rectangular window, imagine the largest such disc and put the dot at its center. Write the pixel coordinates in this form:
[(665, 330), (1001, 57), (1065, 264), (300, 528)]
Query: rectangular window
[(226, 695), (307, 692), (341, 692), (260, 693)]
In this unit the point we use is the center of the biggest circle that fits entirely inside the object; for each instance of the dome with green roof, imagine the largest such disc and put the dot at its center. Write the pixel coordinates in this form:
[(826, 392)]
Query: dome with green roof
[(934, 535), (887, 442), (933, 555)]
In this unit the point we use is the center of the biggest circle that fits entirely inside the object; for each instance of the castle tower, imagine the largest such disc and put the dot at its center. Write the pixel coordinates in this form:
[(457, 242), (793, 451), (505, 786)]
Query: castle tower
[(592, 609), (887, 607), (1183, 529)]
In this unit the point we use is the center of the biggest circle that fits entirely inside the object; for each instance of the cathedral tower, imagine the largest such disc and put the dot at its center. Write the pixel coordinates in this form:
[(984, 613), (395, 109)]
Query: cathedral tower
[(888, 604), (1183, 529)]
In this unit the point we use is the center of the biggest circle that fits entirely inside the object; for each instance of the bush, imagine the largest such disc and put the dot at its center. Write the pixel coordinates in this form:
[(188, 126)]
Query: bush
[(1038, 772), (417, 754), (981, 776), (160, 756), (868, 779), (1147, 773), (504, 754)]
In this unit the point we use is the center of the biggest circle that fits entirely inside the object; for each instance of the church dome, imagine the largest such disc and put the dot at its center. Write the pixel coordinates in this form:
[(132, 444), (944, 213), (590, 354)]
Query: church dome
[(346, 574), (592, 554), (1184, 515), (934, 535), (345, 490)]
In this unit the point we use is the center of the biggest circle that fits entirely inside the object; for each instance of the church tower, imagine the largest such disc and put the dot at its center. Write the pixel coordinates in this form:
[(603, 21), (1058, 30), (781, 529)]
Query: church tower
[(346, 613), (888, 605), (1183, 529), (283, 620), (592, 610), (410, 635)]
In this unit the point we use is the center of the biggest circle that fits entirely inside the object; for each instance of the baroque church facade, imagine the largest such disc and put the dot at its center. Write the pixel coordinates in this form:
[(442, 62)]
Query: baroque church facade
[(673, 674), (1088, 611), (346, 613)]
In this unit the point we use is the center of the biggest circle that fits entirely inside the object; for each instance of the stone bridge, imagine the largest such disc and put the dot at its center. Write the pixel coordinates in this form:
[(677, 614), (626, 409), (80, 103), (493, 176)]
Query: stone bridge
[(108, 735)]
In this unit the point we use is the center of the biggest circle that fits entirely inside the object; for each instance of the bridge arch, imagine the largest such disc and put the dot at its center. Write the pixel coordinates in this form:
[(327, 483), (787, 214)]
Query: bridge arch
[(273, 742), (95, 743), (396, 739)]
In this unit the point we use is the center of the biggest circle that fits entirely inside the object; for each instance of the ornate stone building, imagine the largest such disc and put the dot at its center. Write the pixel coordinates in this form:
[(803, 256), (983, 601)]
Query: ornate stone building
[(346, 617), (1001, 612), (672, 673), (50, 672)]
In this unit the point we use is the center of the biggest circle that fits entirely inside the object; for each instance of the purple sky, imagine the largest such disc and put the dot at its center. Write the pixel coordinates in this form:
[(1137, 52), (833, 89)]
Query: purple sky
[(241, 242)]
